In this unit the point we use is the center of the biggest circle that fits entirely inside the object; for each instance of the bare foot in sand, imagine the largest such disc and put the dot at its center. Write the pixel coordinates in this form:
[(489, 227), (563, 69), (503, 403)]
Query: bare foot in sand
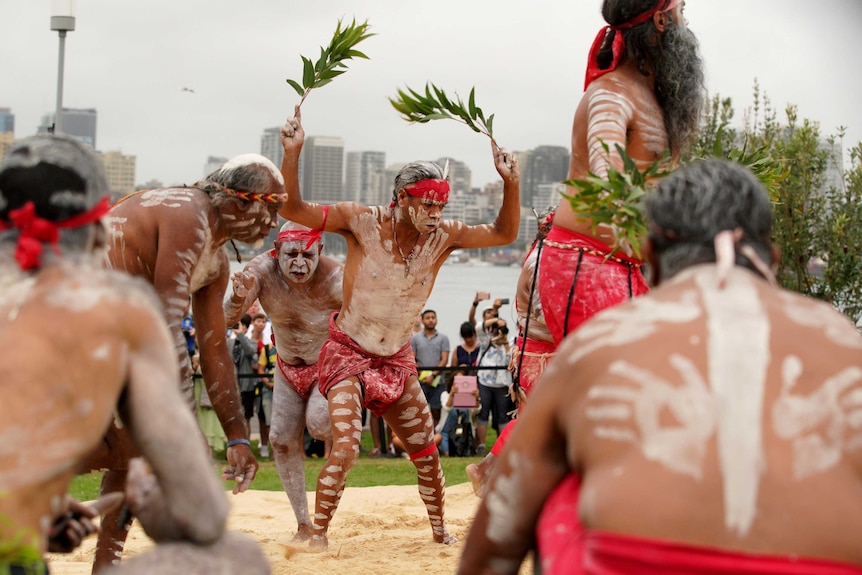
[(303, 533), (445, 539), (318, 543)]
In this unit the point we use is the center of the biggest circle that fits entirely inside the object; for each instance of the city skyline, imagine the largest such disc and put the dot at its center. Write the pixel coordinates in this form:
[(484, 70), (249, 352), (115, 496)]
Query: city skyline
[(131, 61)]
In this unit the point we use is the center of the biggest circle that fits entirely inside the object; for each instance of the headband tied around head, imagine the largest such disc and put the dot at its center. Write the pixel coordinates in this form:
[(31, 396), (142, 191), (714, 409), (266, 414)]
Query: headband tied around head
[(593, 70), (260, 197), (434, 190), (33, 231), (308, 236)]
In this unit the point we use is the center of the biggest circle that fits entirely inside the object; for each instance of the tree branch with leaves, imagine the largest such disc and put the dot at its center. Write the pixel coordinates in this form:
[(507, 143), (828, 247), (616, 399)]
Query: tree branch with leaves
[(333, 59), (434, 104)]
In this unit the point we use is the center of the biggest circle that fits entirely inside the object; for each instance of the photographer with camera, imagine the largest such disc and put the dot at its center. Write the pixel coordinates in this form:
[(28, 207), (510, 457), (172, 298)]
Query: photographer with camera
[(483, 333), (494, 384)]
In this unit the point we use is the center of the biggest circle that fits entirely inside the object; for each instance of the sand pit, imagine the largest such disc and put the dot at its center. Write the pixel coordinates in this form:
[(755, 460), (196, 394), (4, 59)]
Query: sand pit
[(376, 530)]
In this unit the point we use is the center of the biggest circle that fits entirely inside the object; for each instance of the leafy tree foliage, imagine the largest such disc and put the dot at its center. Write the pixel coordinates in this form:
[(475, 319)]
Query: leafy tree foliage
[(817, 224)]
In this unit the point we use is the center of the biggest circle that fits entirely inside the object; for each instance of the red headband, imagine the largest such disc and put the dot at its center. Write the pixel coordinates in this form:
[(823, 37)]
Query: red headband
[(618, 46), (34, 231), (435, 190), (309, 236)]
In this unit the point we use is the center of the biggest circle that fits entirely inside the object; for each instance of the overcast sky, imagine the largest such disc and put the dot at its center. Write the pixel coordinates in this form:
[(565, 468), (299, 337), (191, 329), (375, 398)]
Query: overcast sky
[(130, 59)]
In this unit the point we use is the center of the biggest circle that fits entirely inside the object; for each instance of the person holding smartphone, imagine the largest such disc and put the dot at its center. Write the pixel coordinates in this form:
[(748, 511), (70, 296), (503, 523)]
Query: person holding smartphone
[(483, 334)]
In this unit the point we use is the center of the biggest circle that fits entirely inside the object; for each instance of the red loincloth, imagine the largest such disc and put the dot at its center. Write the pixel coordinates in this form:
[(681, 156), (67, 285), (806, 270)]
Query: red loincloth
[(600, 283), (613, 554), (559, 533), (300, 377), (536, 355), (382, 378)]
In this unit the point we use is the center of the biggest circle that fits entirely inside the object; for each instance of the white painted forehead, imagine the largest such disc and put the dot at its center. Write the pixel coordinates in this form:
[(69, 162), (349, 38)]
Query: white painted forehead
[(250, 159)]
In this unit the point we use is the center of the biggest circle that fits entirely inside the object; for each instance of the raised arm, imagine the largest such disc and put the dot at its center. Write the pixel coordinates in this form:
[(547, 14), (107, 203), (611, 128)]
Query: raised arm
[(504, 230), (220, 377), (164, 429), (333, 218)]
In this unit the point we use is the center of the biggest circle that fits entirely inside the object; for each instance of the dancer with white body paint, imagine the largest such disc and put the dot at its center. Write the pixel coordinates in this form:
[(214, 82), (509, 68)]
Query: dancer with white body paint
[(83, 345), (644, 93), (393, 256), (716, 424), (300, 288), (174, 239)]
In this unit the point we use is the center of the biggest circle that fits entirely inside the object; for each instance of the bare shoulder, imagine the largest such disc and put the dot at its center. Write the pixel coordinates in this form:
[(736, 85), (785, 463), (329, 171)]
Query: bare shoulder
[(350, 216)]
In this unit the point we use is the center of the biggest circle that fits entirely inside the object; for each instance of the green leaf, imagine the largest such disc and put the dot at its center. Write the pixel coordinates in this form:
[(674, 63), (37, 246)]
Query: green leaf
[(332, 60), (434, 104)]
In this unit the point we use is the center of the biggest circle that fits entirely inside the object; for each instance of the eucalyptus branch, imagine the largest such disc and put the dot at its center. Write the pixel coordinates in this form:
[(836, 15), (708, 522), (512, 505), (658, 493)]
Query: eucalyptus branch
[(434, 104), (615, 201), (332, 61)]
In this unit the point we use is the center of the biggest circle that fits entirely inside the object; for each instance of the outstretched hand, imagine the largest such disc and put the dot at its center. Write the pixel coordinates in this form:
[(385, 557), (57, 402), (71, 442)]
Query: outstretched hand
[(292, 134), (242, 467), (506, 164), (243, 283)]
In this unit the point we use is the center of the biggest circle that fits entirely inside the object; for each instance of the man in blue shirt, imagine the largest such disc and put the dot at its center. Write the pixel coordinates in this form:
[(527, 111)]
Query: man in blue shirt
[(431, 349)]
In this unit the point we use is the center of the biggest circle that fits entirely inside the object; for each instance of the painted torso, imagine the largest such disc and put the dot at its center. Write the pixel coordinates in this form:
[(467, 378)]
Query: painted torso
[(743, 403), (381, 302), (64, 363), (300, 313), (618, 108)]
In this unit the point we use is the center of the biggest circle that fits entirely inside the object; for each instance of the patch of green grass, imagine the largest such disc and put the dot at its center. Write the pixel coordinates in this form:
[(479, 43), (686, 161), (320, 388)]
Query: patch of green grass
[(366, 473)]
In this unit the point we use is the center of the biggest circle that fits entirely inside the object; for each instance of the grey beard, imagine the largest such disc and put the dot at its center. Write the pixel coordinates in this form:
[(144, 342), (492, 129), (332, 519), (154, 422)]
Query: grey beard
[(679, 86)]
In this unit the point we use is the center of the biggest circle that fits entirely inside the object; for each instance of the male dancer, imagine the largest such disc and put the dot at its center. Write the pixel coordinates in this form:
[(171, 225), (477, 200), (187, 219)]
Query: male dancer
[(300, 288), (393, 256), (714, 423), (174, 239), (82, 344)]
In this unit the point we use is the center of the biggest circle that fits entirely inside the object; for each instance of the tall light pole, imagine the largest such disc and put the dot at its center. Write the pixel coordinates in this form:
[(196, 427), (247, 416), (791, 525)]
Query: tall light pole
[(62, 20)]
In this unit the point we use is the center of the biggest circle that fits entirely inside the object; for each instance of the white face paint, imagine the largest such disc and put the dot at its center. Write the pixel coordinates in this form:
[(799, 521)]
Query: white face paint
[(425, 214), (297, 263), (253, 224)]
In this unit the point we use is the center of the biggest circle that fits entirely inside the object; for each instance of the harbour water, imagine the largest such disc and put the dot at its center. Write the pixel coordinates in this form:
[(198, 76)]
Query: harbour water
[(456, 285)]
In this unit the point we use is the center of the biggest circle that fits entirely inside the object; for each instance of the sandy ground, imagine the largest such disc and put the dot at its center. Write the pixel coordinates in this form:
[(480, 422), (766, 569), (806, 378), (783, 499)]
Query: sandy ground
[(375, 530)]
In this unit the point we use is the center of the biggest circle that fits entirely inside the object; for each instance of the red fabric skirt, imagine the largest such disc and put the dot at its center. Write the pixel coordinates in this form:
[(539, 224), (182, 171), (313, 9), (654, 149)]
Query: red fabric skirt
[(579, 278), (300, 377), (615, 554), (382, 378)]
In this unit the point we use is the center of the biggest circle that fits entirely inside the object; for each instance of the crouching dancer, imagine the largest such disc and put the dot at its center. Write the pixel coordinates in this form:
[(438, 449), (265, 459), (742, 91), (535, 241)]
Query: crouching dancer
[(299, 288), (713, 423), (79, 341), (393, 256)]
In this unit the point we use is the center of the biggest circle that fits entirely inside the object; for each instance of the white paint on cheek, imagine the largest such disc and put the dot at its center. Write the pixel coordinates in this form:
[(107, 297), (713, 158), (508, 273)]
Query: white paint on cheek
[(737, 368)]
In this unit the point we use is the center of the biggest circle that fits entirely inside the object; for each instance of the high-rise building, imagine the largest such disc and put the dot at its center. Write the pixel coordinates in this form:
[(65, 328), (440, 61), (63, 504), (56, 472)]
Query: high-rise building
[(364, 178), (270, 145), (6, 139), (79, 123), (543, 165), (460, 176), (322, 163), (7, 120), (213, 164), (120, 170)]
